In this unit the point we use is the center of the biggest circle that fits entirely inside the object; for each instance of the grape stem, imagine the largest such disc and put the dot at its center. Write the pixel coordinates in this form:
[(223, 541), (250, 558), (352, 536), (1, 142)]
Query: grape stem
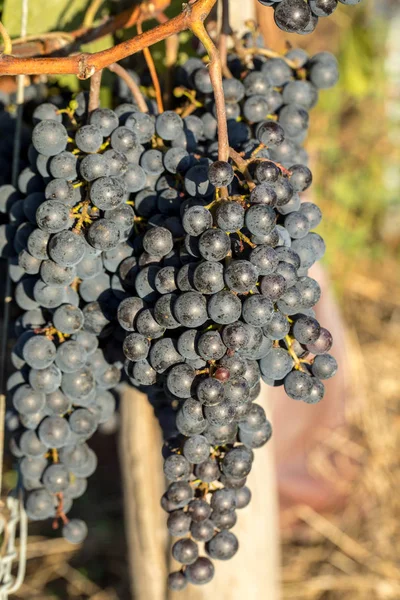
[(171, 57), (297, 361), (6, 38), (50, 331), (91, 13), (245, 239), (83, 216), (241, 164), (153, 71), (85, 64), (132, 85), (94, 94), (226, 31), (60, 512), (215, 70)]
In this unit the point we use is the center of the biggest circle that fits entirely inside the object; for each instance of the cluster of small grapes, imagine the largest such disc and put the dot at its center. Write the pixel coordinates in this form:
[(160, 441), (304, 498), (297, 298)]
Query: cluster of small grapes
[(62, 250), (301, 16), (222, 296)]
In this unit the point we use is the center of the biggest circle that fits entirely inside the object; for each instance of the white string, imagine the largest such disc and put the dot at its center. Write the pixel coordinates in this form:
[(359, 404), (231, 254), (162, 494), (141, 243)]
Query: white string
[(15, 503)]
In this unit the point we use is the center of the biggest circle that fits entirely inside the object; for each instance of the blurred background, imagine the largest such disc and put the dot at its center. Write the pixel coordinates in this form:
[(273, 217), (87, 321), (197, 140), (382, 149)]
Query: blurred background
[(346, 549)]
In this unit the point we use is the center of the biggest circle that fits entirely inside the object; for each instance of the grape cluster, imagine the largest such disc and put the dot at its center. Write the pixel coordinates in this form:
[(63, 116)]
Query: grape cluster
[(301, 16), (132, 232), (62, 251), (222, 297)]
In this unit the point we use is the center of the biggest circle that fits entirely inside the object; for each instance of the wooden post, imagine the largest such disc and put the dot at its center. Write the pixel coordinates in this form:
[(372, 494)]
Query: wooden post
[(143, 484), (254, 569)]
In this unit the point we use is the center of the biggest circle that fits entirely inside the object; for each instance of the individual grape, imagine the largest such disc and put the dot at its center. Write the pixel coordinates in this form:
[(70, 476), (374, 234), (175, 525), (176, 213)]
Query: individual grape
[(306, 330), (214, 244), (39, 504), (292, 16), (45, 380), (93, 166), (56, 478), (208, 277), (220, 174), (37, 244), (229, 216), (297, 225), (257, 310), (180, 493), (277, 364), (297, 385), (210, 346), (180, 380), (64, 166), (107, 193), (177, 468), (196, 449), (27, 400), (290, 301), (88, 138), (323, 72), (124, 140), (158, 241), (224, 307), (257, 438), (317, 392), (223, 545), (70, 357), (260, 219), (169, 125), (151, 162), (75, 531), (60, 190), (324, 366), (103, 234), (178, 523), (39, 352), (54, 432), (105, 120), (241, 276), (136, 346), (28, 263), (200, 572), (57, 403), (278, 326), (68, 319), (49, 137), (185, 551), (83, 422), (66, 248), (270, 133), (78, 384), (210, 391), (190, 309), (53, 216), (223, 501), (76, 488), (208, 471), (164, 311), (177, 581), (46, 111), (202, 531)]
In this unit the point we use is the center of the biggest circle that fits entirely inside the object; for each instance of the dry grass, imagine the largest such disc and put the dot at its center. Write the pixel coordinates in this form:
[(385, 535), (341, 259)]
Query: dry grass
[(353, 554)]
